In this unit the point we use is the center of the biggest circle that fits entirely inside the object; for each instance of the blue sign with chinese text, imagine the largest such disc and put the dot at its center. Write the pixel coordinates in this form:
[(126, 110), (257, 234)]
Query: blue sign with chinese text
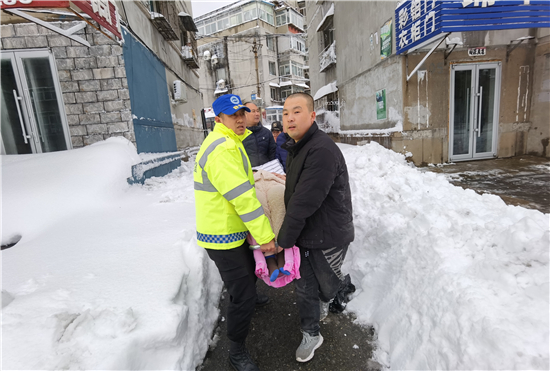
[(420, 22)]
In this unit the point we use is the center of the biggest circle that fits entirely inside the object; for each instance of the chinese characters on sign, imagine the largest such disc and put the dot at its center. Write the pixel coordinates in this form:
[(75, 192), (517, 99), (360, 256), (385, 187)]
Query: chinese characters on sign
[(101, 7), (416, 21), (385, 40), (420, 22)]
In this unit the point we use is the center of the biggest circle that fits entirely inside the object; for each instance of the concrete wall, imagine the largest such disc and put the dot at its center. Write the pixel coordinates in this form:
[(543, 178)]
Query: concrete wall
[(357, 97), (354, 49), (539, 132)]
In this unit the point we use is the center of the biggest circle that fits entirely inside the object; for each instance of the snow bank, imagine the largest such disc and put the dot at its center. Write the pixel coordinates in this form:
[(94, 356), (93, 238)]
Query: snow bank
[(107, 275), (41, 189), (449, 278)]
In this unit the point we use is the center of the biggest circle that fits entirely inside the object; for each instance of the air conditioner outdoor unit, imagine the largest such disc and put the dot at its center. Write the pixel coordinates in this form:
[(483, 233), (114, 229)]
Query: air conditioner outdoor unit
[(180, 91)]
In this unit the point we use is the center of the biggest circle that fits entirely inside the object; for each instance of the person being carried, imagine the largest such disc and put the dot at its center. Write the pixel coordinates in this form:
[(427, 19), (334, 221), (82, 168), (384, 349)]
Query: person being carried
[(283, 267), (260, 146), (227, 210)]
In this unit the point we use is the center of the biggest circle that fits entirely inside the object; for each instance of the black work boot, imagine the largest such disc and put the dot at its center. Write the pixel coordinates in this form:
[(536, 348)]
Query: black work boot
[(262, 300), (240, 359)]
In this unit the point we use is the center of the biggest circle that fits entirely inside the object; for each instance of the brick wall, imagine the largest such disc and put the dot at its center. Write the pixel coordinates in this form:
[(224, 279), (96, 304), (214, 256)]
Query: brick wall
[(93, 80)]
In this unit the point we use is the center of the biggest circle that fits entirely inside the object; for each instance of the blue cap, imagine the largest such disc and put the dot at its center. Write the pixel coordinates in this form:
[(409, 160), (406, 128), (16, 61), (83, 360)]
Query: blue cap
[(228, 104)]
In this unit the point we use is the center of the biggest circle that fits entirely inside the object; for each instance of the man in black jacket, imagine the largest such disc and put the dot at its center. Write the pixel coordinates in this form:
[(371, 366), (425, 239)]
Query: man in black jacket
[(260, 145), (319, 218)]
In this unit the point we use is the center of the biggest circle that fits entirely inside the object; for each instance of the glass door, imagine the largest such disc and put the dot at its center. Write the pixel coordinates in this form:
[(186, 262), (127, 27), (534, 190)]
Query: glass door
[(33, 116), (15, 127), (474, 111)]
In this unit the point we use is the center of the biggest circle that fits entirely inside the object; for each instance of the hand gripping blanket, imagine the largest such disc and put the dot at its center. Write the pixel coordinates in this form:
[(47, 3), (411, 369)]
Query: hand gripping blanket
[(270, 192)]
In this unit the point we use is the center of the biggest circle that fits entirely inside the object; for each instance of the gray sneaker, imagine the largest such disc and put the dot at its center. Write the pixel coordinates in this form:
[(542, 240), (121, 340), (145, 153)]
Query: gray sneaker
[(306, 350), (324, 309)]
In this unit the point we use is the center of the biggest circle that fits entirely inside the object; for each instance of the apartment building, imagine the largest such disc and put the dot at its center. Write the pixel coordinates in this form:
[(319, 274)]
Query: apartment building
[(255, 49)]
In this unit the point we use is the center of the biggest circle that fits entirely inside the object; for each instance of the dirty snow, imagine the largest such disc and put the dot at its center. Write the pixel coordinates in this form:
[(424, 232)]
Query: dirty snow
[(109, 276)]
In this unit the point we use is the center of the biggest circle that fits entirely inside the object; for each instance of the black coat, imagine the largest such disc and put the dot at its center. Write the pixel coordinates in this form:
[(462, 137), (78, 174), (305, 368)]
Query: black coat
[(260, 145), (317, 194), (282, 153)]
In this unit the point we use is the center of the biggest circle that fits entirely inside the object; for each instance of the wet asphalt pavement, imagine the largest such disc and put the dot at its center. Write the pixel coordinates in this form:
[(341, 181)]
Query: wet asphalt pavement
[(519, 181), (275, 334)]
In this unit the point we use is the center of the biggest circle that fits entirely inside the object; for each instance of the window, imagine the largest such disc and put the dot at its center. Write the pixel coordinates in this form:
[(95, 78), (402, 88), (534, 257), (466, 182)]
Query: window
[(297, 44), (236, 19), (154, 6), (223, 24), (269, 42), (281, 19), (297, 69), (272, 69), (328, 35), (274, 93), (296, 19), (284, 68)]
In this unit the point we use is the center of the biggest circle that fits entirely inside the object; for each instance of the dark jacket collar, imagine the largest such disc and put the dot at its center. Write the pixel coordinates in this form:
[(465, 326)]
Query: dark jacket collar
[(255, 129), (293, 147)]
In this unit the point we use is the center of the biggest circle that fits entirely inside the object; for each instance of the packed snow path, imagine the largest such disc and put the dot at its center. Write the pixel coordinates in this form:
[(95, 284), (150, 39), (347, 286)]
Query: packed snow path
[(275, 335), (109, 276)]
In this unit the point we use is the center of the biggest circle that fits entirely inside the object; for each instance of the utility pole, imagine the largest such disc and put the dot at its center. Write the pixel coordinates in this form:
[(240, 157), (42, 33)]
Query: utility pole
[(255, 48), (227, 69)]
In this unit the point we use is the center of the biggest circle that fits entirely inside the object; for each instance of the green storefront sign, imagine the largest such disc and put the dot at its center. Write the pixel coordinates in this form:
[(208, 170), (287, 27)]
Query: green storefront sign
[(385, 40), (381, 104)]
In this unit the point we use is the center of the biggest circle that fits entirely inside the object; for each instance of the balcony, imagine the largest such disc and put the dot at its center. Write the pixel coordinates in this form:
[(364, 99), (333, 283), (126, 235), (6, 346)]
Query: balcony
[(163, 26), (189, 56), (328, 57)]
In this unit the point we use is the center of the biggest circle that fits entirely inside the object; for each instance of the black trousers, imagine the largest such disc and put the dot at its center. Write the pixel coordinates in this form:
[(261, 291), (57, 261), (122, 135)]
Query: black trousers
[(237, 268), (321, 277)]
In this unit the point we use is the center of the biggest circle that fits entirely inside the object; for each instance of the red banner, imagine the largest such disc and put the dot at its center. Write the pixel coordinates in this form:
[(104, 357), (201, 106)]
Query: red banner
[(6, 4), (103, 12)]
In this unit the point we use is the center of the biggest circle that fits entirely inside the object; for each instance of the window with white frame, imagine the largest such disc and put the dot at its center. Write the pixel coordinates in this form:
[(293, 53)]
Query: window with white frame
[(245, 13), (284, 68), (272, 69), (297, 69), (297, 43), (296, 19), (281, 18)]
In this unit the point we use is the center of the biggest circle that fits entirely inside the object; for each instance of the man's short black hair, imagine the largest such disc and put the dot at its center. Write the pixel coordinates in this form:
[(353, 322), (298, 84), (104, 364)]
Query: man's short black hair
[(308, 98)]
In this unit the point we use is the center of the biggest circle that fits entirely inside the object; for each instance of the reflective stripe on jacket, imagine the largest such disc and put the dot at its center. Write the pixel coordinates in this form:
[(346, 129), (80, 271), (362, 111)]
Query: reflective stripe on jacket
[(225, 198)]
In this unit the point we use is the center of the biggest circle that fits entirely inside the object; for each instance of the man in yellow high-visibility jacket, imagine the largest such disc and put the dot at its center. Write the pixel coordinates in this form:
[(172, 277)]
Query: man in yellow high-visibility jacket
[(226, 211)]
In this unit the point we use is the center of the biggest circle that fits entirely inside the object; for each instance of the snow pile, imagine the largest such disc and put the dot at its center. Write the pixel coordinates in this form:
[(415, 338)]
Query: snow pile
[(449, 278), (106, 275)]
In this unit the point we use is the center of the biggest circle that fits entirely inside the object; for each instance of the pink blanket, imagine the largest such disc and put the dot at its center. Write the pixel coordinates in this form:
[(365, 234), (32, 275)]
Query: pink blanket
[(292, 265)]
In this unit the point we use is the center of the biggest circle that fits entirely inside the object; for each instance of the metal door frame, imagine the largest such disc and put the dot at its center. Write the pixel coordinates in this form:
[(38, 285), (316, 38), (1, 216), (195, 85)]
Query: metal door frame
[(474, 110), (27, 112)]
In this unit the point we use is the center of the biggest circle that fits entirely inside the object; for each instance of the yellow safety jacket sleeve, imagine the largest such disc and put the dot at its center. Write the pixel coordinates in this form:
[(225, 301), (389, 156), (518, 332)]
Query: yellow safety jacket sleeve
[(226, 172)]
